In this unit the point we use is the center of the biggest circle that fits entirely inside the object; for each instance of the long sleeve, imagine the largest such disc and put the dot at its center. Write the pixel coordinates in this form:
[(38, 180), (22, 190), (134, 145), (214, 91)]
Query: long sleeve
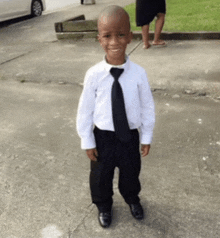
[(84, 121), (147, 111), (95, 107)]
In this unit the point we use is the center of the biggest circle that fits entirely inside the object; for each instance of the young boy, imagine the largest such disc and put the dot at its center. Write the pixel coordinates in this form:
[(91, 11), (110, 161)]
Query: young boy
[(113, 87)]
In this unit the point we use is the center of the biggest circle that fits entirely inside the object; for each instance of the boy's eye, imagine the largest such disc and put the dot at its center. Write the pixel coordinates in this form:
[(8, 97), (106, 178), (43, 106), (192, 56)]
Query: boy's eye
[(106, 36), (121, 35)]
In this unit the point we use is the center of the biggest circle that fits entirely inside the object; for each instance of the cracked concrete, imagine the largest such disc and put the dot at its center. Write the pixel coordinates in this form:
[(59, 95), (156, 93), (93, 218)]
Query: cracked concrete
[(182, 68), (44, 174)]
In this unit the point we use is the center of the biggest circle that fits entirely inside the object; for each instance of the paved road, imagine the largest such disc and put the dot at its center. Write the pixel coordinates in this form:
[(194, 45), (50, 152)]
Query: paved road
[(43, 172), (56, 5)]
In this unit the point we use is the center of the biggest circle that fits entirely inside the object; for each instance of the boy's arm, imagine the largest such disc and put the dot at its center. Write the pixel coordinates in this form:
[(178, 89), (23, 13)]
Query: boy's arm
[(147, 113), (84, 120)]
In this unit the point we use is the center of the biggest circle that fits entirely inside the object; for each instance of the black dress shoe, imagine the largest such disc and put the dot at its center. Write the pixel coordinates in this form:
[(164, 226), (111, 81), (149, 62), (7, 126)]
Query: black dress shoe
[(105, 219), (137, 211)]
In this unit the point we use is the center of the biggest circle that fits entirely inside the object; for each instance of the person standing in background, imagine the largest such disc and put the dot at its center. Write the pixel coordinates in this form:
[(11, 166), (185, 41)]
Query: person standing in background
[(146, 11)]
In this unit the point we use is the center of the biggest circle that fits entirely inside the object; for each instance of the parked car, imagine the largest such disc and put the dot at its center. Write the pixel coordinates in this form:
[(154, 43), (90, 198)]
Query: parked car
[(10, 9)]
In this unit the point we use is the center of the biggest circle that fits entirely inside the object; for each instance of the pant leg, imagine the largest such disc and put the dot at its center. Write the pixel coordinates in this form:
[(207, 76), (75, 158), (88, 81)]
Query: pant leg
[(129, 165), (102, 171)]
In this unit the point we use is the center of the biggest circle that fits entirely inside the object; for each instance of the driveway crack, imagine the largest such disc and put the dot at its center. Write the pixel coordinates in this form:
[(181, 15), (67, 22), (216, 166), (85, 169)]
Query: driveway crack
[(81, 222), (135, 47), (17, 57)]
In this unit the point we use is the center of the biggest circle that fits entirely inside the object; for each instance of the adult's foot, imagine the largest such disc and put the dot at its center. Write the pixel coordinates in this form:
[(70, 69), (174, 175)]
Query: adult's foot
[(147, 46), (159, 42)]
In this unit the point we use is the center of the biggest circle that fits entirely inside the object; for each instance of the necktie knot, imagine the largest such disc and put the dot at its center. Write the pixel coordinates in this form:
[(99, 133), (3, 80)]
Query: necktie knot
[(116, 72)]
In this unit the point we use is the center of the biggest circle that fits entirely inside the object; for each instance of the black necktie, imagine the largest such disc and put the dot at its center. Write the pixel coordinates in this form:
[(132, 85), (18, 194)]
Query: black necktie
[(120, 121)]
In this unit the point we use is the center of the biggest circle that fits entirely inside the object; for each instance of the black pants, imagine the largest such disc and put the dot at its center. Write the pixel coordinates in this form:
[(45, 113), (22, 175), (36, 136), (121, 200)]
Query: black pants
[(111, 154)]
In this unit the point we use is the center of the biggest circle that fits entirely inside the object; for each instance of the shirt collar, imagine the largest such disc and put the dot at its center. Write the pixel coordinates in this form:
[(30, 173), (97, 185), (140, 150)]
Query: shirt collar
[(124, 66)]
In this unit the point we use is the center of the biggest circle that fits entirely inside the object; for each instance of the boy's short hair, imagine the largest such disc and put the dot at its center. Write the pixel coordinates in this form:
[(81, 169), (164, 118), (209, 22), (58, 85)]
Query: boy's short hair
[(112, 11)]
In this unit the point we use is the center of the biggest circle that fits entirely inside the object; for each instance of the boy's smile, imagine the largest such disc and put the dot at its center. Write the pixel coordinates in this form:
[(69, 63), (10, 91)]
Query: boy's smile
[(114, 35)]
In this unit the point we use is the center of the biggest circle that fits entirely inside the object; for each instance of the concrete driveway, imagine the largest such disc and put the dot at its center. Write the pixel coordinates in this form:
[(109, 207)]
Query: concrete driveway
[(44, 173)]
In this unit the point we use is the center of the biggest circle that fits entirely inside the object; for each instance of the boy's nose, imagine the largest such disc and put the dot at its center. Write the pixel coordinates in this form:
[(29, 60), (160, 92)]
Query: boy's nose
[(114, 40)]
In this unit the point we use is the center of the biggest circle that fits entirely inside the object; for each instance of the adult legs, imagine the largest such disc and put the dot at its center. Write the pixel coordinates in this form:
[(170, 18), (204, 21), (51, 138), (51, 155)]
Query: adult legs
[(158, 29), (145, 36)]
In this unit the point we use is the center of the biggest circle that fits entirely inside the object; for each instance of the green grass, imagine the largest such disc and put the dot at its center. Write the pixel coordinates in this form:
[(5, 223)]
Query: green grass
[(186, 16)]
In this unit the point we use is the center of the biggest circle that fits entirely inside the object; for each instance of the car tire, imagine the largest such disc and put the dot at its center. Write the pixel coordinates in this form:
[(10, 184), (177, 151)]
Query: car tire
[(36, 8)]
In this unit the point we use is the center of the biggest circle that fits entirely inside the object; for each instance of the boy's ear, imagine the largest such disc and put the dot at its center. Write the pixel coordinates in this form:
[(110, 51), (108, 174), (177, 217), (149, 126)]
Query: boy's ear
[(98, 38)]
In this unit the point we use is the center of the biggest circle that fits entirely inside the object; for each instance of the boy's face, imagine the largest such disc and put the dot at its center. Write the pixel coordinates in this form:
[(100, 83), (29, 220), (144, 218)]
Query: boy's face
[(114, 35)]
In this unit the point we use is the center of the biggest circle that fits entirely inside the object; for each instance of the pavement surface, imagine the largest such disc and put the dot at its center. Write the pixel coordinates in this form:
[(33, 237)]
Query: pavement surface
[(44, 190)]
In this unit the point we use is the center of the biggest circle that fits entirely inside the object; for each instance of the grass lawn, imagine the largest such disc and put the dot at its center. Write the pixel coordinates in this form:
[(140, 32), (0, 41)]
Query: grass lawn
[(186, 16)]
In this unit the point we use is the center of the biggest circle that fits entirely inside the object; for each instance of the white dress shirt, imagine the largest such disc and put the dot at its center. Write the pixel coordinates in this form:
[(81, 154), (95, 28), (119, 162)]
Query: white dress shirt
[(95, 102)]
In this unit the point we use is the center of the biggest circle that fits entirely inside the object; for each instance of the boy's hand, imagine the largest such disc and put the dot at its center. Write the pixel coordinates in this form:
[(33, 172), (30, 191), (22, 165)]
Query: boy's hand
[(92, 154), (145, 150)]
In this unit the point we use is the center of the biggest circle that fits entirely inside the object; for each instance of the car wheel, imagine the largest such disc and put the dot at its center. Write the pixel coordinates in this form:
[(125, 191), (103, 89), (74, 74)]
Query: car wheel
[(36, 8)]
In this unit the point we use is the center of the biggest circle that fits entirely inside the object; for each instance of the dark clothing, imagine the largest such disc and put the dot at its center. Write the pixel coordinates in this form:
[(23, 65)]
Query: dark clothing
[(146, 10), (119, 116), (113, 153)]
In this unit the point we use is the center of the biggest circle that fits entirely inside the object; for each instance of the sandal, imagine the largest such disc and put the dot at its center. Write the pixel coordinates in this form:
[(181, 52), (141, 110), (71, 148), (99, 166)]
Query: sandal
[(160, 42)]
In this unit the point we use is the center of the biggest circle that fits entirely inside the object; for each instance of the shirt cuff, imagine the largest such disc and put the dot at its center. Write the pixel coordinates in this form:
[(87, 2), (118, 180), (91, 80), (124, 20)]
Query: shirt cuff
[(146, 139), (88, 143)]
